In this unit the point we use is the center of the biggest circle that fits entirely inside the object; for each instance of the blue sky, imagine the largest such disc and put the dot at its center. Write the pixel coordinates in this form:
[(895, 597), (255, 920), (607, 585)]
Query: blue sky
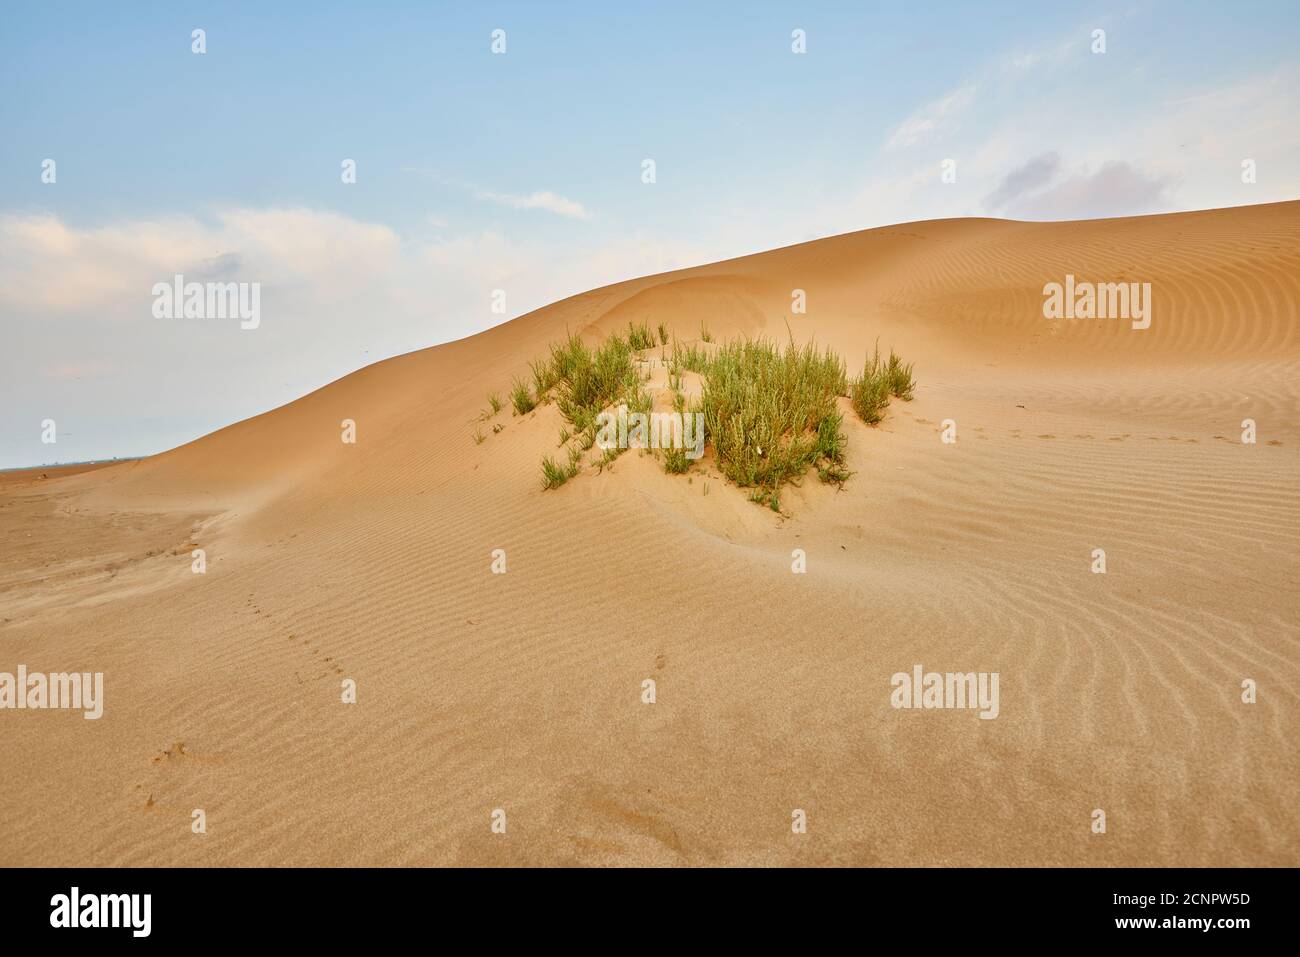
[(522, 171)]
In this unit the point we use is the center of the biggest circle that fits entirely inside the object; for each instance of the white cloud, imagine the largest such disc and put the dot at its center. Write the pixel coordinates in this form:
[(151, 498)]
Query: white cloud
[(1114, 189), (107, 271), (542, 199), (932, 120), (337, 293)]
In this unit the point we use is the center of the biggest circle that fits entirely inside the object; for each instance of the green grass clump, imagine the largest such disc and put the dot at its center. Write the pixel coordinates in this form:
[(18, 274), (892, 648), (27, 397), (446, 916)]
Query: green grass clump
[(639, 337), (869, 392), (899, 377), (494, 400), (676, 461), (522, 398), (554, 475), (588, 381), (691, 358), (880, 379), (771, 414), (543, 378)]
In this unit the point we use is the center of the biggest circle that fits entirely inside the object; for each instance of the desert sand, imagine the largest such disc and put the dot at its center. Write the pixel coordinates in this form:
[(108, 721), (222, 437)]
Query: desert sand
[(523, 691)]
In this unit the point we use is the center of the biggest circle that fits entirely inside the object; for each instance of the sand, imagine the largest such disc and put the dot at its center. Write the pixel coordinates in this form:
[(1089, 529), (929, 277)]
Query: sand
[(523, 691)]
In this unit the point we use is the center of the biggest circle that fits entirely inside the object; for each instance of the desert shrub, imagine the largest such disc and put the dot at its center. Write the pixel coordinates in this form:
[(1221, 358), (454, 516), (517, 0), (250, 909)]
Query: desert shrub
[(869, 392), (589, 382), (899, 376), (639, 337), (771, 414), (676, 461), (691, 358), (553, 474), (521, 398), (543, 378)]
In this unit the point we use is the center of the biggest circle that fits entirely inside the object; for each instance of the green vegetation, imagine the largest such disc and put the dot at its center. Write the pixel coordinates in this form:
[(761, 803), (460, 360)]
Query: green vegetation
[(691, 358), (770, 413), (521, 398), (554, 475), (869, 393), (585, 382), (880, 379), (639, 337), (676, 462), (494, 400), (900, 379)]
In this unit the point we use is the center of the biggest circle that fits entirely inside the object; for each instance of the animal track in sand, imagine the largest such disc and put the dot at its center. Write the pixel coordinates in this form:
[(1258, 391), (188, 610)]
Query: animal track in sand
[(168, 762), (332, 664)]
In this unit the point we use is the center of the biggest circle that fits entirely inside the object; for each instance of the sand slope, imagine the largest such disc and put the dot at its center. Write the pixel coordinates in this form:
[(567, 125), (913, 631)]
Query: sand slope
[(522, 691)]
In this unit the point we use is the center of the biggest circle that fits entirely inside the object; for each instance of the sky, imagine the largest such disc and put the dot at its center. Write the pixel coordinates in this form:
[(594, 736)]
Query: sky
[(516, 178)]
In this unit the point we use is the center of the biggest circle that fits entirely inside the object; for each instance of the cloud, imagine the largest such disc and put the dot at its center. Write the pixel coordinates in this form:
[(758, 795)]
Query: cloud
[(337, 293), (542, 199), (107, 272), (931, 120), (1036, 173), (539, 199), (1115, 189)]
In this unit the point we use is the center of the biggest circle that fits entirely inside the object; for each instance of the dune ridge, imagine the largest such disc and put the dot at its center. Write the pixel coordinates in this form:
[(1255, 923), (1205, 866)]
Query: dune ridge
[(522, 691)]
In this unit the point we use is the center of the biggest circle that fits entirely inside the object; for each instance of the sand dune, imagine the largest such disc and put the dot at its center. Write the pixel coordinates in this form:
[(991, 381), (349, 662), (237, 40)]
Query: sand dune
[(522, 691)]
